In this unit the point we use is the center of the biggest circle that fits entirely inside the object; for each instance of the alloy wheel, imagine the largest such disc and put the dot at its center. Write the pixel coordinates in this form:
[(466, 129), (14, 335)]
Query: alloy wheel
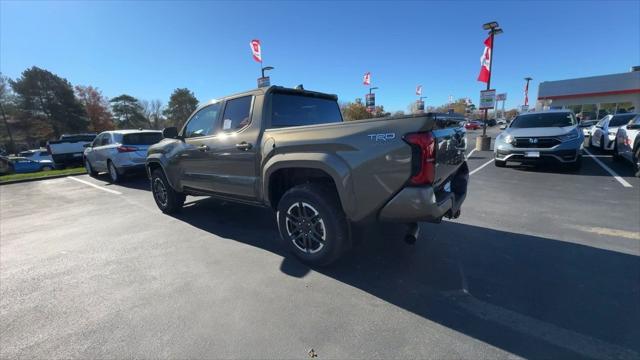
[(305, 227), (160, 191), (113, 173)]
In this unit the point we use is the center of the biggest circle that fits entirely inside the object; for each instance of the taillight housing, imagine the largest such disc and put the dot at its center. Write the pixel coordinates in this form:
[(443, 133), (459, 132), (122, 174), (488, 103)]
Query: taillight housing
[(124, 149), (424, 158)]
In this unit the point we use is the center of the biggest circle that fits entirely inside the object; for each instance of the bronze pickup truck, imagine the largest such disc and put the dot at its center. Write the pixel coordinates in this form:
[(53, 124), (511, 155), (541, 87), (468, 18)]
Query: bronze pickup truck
[(290, 149)]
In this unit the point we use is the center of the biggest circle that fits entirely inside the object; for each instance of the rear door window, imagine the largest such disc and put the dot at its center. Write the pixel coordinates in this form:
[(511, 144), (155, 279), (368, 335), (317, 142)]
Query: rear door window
[(619, 120), (146, 138), (298, 110), (237, 114)]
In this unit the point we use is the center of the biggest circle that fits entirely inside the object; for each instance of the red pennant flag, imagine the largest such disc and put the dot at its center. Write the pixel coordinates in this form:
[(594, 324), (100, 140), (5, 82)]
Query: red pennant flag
[(419, 90), (256, 50), (366, 79), (485, 62)]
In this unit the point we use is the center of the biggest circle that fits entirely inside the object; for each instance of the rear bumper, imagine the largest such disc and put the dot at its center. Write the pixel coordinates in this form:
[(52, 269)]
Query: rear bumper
[(416, 204)]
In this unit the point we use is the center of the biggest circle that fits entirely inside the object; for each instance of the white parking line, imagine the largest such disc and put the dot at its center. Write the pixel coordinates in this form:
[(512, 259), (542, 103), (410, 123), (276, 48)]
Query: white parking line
[(95, 186), (608, 169), (470, 152), (480, 167)]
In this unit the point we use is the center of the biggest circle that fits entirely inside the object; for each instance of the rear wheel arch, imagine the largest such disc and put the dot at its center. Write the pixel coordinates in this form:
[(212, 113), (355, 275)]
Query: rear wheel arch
[(283, 179)]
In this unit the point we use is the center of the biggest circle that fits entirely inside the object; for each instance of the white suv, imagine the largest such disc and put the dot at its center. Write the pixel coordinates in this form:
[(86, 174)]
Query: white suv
[(119, 152)]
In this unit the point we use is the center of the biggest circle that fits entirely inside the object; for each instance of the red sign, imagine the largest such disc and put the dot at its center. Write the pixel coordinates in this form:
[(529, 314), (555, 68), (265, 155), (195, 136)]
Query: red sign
[(485, 62), (366, 79), (256, 50)]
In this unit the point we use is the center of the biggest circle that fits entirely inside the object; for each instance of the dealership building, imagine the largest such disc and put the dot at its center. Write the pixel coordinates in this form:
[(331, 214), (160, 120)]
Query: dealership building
[(593, 97)]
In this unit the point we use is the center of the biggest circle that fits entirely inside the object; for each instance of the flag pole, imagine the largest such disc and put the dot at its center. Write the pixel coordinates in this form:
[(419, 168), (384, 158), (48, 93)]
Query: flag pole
[(486, 111)]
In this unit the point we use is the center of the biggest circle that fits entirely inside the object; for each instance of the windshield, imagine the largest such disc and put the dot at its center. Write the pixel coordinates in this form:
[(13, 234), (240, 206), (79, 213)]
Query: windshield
[(297, 110), (620, 120), (542, 120)]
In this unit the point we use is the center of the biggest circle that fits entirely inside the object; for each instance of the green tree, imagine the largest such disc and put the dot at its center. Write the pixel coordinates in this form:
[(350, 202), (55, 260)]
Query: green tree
[(128, 112), (42, 95), (6, 102), (181, 104), (97, 108)]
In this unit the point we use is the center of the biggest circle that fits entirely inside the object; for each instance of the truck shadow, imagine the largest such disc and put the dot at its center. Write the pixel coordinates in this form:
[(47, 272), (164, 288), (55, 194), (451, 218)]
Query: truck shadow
[(584, 291)]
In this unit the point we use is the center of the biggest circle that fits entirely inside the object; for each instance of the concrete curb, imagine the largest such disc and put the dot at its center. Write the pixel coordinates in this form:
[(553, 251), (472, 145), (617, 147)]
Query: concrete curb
[(36, 179)]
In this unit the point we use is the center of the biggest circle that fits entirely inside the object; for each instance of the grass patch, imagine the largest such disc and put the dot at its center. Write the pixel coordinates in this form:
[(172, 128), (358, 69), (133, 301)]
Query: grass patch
[(42, 174)]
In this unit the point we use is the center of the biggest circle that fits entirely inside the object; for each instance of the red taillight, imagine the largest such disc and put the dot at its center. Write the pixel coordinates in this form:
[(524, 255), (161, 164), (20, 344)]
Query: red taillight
[(425, 143), (627, 141), (124, 149)]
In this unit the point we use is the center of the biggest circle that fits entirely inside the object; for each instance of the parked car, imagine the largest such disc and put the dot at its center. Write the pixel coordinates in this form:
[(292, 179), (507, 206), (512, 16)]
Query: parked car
[(6, 167), (628, 143), (586, 126), (492, 122), (37, 155), (603, 134), (473, 125), (535, 137), (501, 121), (68, 149), (289, 149), (26, 165), (119, 152)]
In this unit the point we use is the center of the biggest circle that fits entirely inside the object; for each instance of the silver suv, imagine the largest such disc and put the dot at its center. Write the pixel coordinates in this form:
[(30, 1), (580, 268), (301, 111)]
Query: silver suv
[(541, 136), (119, 152)]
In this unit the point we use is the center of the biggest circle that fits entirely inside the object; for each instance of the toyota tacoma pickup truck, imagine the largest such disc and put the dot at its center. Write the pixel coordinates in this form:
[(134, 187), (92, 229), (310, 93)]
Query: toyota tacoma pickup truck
[(289, 149)]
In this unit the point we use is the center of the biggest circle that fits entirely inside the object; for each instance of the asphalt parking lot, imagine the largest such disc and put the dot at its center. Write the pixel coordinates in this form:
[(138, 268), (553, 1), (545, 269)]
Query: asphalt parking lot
[(542, 263)]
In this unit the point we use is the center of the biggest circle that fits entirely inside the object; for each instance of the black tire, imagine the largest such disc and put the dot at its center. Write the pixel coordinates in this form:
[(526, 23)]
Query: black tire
[(636, 160), (499, 163), (616, 156), (576, 165), (313, 225), (89, 168), (114, 174), (168, 200)]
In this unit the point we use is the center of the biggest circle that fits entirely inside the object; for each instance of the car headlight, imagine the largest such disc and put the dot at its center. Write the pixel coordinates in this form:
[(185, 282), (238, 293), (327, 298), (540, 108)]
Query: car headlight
[(509, 139), (568, 137)]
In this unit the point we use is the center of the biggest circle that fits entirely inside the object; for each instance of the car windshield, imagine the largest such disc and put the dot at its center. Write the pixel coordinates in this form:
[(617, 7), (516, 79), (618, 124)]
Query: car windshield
[(620, 120), (146, 138), (541, 120)]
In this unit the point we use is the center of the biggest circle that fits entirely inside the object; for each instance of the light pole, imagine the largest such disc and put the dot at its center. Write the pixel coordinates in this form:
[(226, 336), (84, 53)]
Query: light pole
[(493, 29), (266, 68), (526, 91), (371, 89)]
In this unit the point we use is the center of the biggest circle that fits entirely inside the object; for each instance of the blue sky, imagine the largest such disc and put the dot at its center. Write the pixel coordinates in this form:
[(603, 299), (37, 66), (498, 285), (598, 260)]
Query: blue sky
[(147, 49)]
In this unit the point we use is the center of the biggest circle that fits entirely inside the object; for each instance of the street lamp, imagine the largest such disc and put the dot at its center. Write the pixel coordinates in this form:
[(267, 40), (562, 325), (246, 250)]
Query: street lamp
[(372, 88), (493, 29), (266, 68)]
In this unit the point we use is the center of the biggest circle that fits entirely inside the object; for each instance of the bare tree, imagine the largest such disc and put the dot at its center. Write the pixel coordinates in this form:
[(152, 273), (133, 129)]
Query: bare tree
[(5, 95)]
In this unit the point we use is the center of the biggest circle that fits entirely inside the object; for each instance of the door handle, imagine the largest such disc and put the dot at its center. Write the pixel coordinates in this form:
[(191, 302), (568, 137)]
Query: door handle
[(244, 146), (203, 148)]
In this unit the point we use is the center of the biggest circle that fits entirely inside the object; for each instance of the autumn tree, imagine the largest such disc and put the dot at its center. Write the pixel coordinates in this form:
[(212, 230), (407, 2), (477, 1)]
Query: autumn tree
[(181, 104), (44, 97), (97, 108), (354, 111), (128, 112)]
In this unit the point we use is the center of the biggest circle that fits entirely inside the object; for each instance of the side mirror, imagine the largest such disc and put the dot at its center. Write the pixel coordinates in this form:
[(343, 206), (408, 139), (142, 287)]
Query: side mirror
[(170, 132), (502, 127), (87, 145)]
